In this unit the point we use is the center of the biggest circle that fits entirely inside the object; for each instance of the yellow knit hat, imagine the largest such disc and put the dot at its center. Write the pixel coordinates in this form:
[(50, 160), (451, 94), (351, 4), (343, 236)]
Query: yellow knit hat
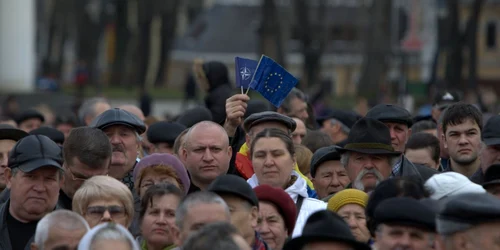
[(347, 196)]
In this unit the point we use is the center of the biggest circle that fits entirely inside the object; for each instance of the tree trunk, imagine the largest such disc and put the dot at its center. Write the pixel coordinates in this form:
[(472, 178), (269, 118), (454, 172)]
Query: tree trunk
[(471, 33), (454, 58), (144, 40), (313, 36), (376, 51), (271, 37), (122, 39), (168, 31)]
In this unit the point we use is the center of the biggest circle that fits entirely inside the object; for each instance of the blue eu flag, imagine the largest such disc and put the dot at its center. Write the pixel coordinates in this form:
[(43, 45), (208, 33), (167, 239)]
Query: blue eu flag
[(244, 69), (272, 81)]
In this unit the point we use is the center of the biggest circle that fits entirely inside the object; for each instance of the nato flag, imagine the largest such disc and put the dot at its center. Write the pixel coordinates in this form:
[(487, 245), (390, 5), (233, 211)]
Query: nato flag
[(272, 81), (244, 69)]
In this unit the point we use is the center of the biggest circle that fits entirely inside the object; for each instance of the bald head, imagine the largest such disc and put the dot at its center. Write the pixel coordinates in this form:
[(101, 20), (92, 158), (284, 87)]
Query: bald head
[(134, 110), (207, 127), (206, 153)]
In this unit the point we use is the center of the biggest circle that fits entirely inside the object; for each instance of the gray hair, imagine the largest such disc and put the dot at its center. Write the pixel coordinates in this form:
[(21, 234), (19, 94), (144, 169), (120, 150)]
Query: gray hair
[(343, 127), (294, 93), (87, 107), (63, 219), (107, 231), (202, 197), (214, 236), (344, 159)]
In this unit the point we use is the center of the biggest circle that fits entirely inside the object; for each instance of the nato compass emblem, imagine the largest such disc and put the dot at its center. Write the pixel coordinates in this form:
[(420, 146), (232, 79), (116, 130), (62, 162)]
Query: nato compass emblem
[(245, 73)]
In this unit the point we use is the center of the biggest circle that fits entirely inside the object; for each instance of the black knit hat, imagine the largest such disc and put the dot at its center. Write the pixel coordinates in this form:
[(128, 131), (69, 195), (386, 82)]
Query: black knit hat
[(164, 131)]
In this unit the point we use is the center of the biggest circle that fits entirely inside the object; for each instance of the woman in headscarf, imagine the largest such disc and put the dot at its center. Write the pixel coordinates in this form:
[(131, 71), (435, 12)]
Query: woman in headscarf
[(108, 236), (273, 160)]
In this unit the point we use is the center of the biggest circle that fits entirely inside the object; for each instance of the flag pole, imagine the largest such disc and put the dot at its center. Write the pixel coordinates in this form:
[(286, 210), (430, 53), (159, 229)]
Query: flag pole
[(246, 93)]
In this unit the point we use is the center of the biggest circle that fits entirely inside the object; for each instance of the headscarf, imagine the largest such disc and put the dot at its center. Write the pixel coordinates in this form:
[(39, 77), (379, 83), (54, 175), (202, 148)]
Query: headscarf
[(89, 237)]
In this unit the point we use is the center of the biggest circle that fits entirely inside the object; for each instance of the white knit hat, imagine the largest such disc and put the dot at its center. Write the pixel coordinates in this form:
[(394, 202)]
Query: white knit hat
[(451, 183)]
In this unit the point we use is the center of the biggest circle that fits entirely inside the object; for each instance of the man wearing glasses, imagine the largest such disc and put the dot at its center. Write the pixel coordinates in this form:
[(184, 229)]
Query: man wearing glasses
[(87, 153)]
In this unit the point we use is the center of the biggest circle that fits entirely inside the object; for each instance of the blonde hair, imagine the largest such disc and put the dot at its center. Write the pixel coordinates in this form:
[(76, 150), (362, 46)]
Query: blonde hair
[(304, 156), (106, 188)]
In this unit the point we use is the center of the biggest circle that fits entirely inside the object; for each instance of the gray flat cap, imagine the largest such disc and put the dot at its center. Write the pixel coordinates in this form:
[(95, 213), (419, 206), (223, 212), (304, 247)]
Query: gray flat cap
[(268, 116), (118, 116)]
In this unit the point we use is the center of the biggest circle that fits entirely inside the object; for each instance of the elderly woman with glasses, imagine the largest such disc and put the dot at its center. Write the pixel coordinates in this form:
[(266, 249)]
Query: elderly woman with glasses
[(104, 199)]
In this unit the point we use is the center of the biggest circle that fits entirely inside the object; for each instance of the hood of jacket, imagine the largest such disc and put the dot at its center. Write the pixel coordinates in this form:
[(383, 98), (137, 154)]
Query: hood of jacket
[(217, 74), (298, 188)]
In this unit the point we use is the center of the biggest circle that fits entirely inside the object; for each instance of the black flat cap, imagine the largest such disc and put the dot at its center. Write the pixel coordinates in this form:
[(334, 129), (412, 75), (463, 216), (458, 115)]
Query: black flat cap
[(325, 226), (118, 116), (491, 131), (33, 152), (348, 118), (390, 113), (54, 134), (192, 116), (8, 132), (29, 114), (405, 211), (322, 155), (164, 131), (268, 116), (492, 176), (464, 211), (234, 185)]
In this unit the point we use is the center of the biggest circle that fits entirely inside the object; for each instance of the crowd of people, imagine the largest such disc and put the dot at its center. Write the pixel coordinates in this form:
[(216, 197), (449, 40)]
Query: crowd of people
[(241, 175)]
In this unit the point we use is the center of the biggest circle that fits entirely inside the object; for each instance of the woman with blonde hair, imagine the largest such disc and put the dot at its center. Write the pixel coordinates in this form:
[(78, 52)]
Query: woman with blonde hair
[(304, 156), (104, 199)]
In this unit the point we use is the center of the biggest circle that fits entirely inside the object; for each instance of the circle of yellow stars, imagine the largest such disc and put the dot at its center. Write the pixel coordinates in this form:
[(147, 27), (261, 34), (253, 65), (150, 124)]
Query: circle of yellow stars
[(270, 90)]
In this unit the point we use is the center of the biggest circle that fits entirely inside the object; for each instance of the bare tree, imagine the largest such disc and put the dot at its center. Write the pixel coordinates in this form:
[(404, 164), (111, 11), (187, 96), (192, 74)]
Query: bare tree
[(168, 15), (376, 49), (123, 36), (313, 35), (471, 40), (271, 32)]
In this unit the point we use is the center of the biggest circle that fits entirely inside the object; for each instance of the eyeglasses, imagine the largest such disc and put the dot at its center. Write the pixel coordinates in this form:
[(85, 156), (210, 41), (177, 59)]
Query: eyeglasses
[(97, 212), (74, 178)]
